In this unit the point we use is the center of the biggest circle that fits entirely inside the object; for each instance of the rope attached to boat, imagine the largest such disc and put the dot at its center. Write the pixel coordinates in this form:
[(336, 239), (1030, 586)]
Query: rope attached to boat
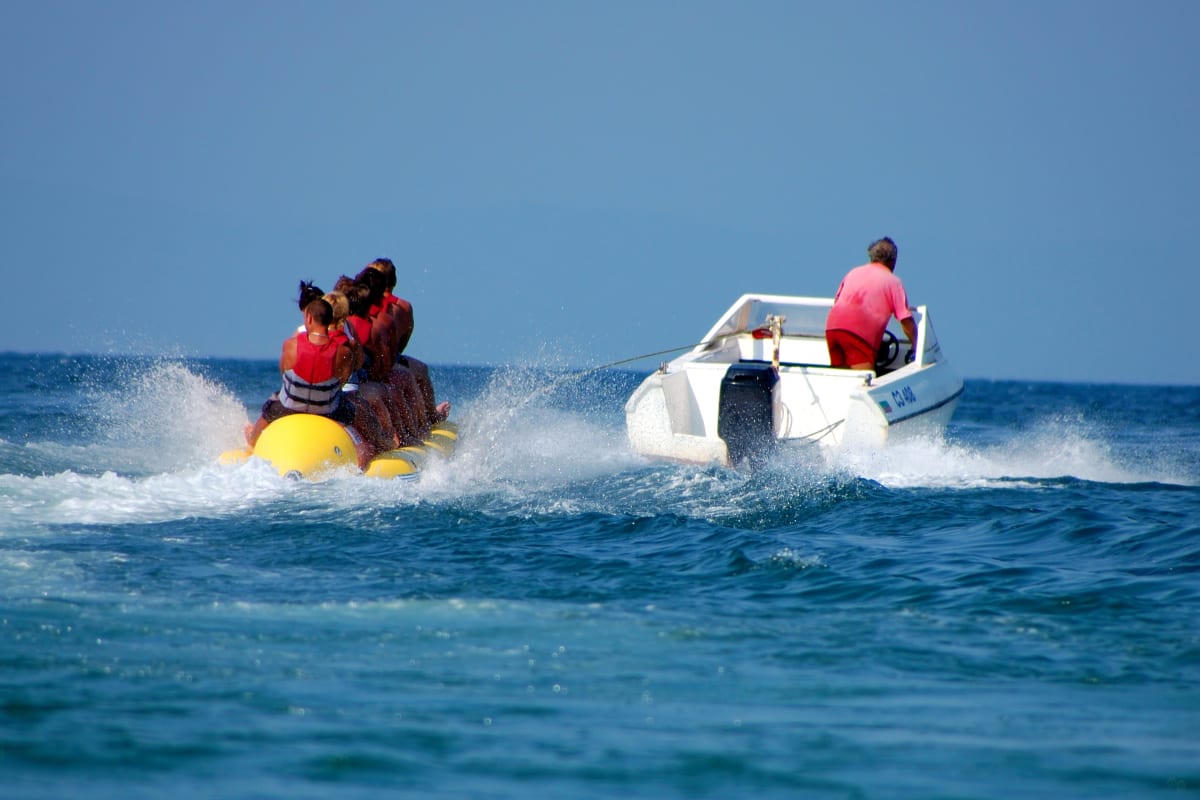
[(612, 364), (821, 433), (576, 376), (806, 438)]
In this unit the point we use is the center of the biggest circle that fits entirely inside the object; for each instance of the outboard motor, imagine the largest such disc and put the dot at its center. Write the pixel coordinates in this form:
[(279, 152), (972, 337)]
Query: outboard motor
[(745, 418)]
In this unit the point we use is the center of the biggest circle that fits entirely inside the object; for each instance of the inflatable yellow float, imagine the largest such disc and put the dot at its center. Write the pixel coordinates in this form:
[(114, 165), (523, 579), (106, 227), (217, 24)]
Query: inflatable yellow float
[(311, 446)]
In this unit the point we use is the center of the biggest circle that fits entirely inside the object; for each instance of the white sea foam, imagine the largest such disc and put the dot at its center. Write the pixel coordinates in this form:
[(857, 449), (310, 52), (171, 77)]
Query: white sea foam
[(1052, 448), (70, 498)]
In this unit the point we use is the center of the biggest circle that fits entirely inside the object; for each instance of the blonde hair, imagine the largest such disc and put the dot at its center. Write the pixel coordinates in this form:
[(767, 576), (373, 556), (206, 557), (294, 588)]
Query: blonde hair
[(341, 307)]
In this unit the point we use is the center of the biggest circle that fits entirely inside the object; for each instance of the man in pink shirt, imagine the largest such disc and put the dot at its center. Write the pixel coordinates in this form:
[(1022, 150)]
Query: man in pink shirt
[(867, 299)]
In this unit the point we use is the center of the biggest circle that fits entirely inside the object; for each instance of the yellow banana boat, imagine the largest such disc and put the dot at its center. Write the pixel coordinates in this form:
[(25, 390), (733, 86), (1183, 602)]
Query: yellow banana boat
[(311, 446)]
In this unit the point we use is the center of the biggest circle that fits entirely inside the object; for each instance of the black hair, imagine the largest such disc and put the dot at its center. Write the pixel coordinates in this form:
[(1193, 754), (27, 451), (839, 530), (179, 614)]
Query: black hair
[(374, 280), (308, 293), (320, 310), (358, 296), (388, 269)]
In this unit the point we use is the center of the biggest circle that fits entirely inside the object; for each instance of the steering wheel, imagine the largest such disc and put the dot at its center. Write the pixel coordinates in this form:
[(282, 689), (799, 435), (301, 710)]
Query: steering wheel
[(889, 348)]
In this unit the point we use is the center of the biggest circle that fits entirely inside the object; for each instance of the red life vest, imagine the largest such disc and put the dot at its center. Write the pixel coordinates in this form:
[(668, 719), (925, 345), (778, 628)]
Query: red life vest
[(361, 327), (310, 385), (338, 337), (314, 362)]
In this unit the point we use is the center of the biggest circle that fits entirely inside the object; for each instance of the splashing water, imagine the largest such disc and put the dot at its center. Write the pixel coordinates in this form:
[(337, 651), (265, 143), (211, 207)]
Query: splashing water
[(515, 433), (1054, 447), (164, 419)]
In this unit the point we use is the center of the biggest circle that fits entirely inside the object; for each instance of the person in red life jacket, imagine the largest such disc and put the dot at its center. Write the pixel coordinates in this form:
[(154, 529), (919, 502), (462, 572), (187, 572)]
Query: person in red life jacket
[(337, 304), (356, 326), (383, 337), (341, 309), (314, 364), (410, 380), (395, 418), (341, 325), (404, 394), (402, 316), (400, 309), (868, 297)]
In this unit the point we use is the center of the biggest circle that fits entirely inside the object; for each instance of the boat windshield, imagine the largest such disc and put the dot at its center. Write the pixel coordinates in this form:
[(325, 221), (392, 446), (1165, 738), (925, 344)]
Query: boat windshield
[(803, 316)]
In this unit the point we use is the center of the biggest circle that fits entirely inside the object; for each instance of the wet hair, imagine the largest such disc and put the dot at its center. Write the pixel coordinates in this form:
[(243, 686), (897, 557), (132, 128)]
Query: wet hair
[(358, 296), (883, 251), (374, 280), (340, 305), (320, 310), (387, 268), (308, 293)]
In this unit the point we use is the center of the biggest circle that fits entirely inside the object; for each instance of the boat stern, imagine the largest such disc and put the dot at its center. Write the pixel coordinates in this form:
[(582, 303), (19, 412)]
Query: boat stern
[(664, 420)]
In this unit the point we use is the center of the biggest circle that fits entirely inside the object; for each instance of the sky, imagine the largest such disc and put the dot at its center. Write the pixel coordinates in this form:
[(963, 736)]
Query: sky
[(571, 183)]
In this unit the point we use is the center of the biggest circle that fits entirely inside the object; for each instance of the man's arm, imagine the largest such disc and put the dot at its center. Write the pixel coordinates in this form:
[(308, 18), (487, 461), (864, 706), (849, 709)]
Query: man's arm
[(343, 364), (403, 317), (910, 330), (287, 355)]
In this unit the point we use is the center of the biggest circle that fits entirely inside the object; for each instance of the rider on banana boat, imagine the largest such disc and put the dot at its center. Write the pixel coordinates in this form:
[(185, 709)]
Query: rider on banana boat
[(393, 416), (400, 409), (401, 381), (341, 322), (315, 363), (401, 312)]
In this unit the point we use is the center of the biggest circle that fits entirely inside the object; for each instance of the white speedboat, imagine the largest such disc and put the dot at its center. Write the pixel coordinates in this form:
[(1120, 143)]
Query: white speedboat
[(761, 378)]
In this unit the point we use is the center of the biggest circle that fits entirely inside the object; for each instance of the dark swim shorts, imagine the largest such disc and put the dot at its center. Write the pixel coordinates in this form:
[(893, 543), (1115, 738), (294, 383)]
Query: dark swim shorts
[(273, 410), (846, 348)]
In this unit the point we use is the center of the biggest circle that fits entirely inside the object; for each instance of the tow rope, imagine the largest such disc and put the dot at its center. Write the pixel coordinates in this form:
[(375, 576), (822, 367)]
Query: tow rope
[(612, 364)]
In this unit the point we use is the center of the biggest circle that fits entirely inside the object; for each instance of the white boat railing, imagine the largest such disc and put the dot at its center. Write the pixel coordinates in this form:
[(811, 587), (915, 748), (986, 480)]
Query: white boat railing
[(805, 316), (803, 341)]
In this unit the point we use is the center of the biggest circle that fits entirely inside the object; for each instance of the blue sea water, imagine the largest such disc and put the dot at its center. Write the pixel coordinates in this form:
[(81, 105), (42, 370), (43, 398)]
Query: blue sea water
[(1011, 611)]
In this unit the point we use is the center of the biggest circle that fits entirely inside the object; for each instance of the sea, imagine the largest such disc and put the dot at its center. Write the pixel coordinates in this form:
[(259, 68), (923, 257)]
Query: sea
[(1011, 610)]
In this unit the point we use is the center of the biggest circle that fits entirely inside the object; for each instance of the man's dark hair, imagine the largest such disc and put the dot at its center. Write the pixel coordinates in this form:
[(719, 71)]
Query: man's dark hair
[(883, 251), (358, 296), (388, 269), (373, 279), (320, 310)]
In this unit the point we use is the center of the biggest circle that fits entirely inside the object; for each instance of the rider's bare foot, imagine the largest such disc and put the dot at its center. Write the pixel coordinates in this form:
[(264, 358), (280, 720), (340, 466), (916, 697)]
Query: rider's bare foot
[(443, 410)]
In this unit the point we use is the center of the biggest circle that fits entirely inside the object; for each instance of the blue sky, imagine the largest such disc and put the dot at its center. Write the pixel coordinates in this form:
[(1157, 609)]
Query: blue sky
[(572, 183)]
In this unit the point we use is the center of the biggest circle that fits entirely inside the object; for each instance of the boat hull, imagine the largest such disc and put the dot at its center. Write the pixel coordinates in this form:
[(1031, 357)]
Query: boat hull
[(902, 406), (669, 417)]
